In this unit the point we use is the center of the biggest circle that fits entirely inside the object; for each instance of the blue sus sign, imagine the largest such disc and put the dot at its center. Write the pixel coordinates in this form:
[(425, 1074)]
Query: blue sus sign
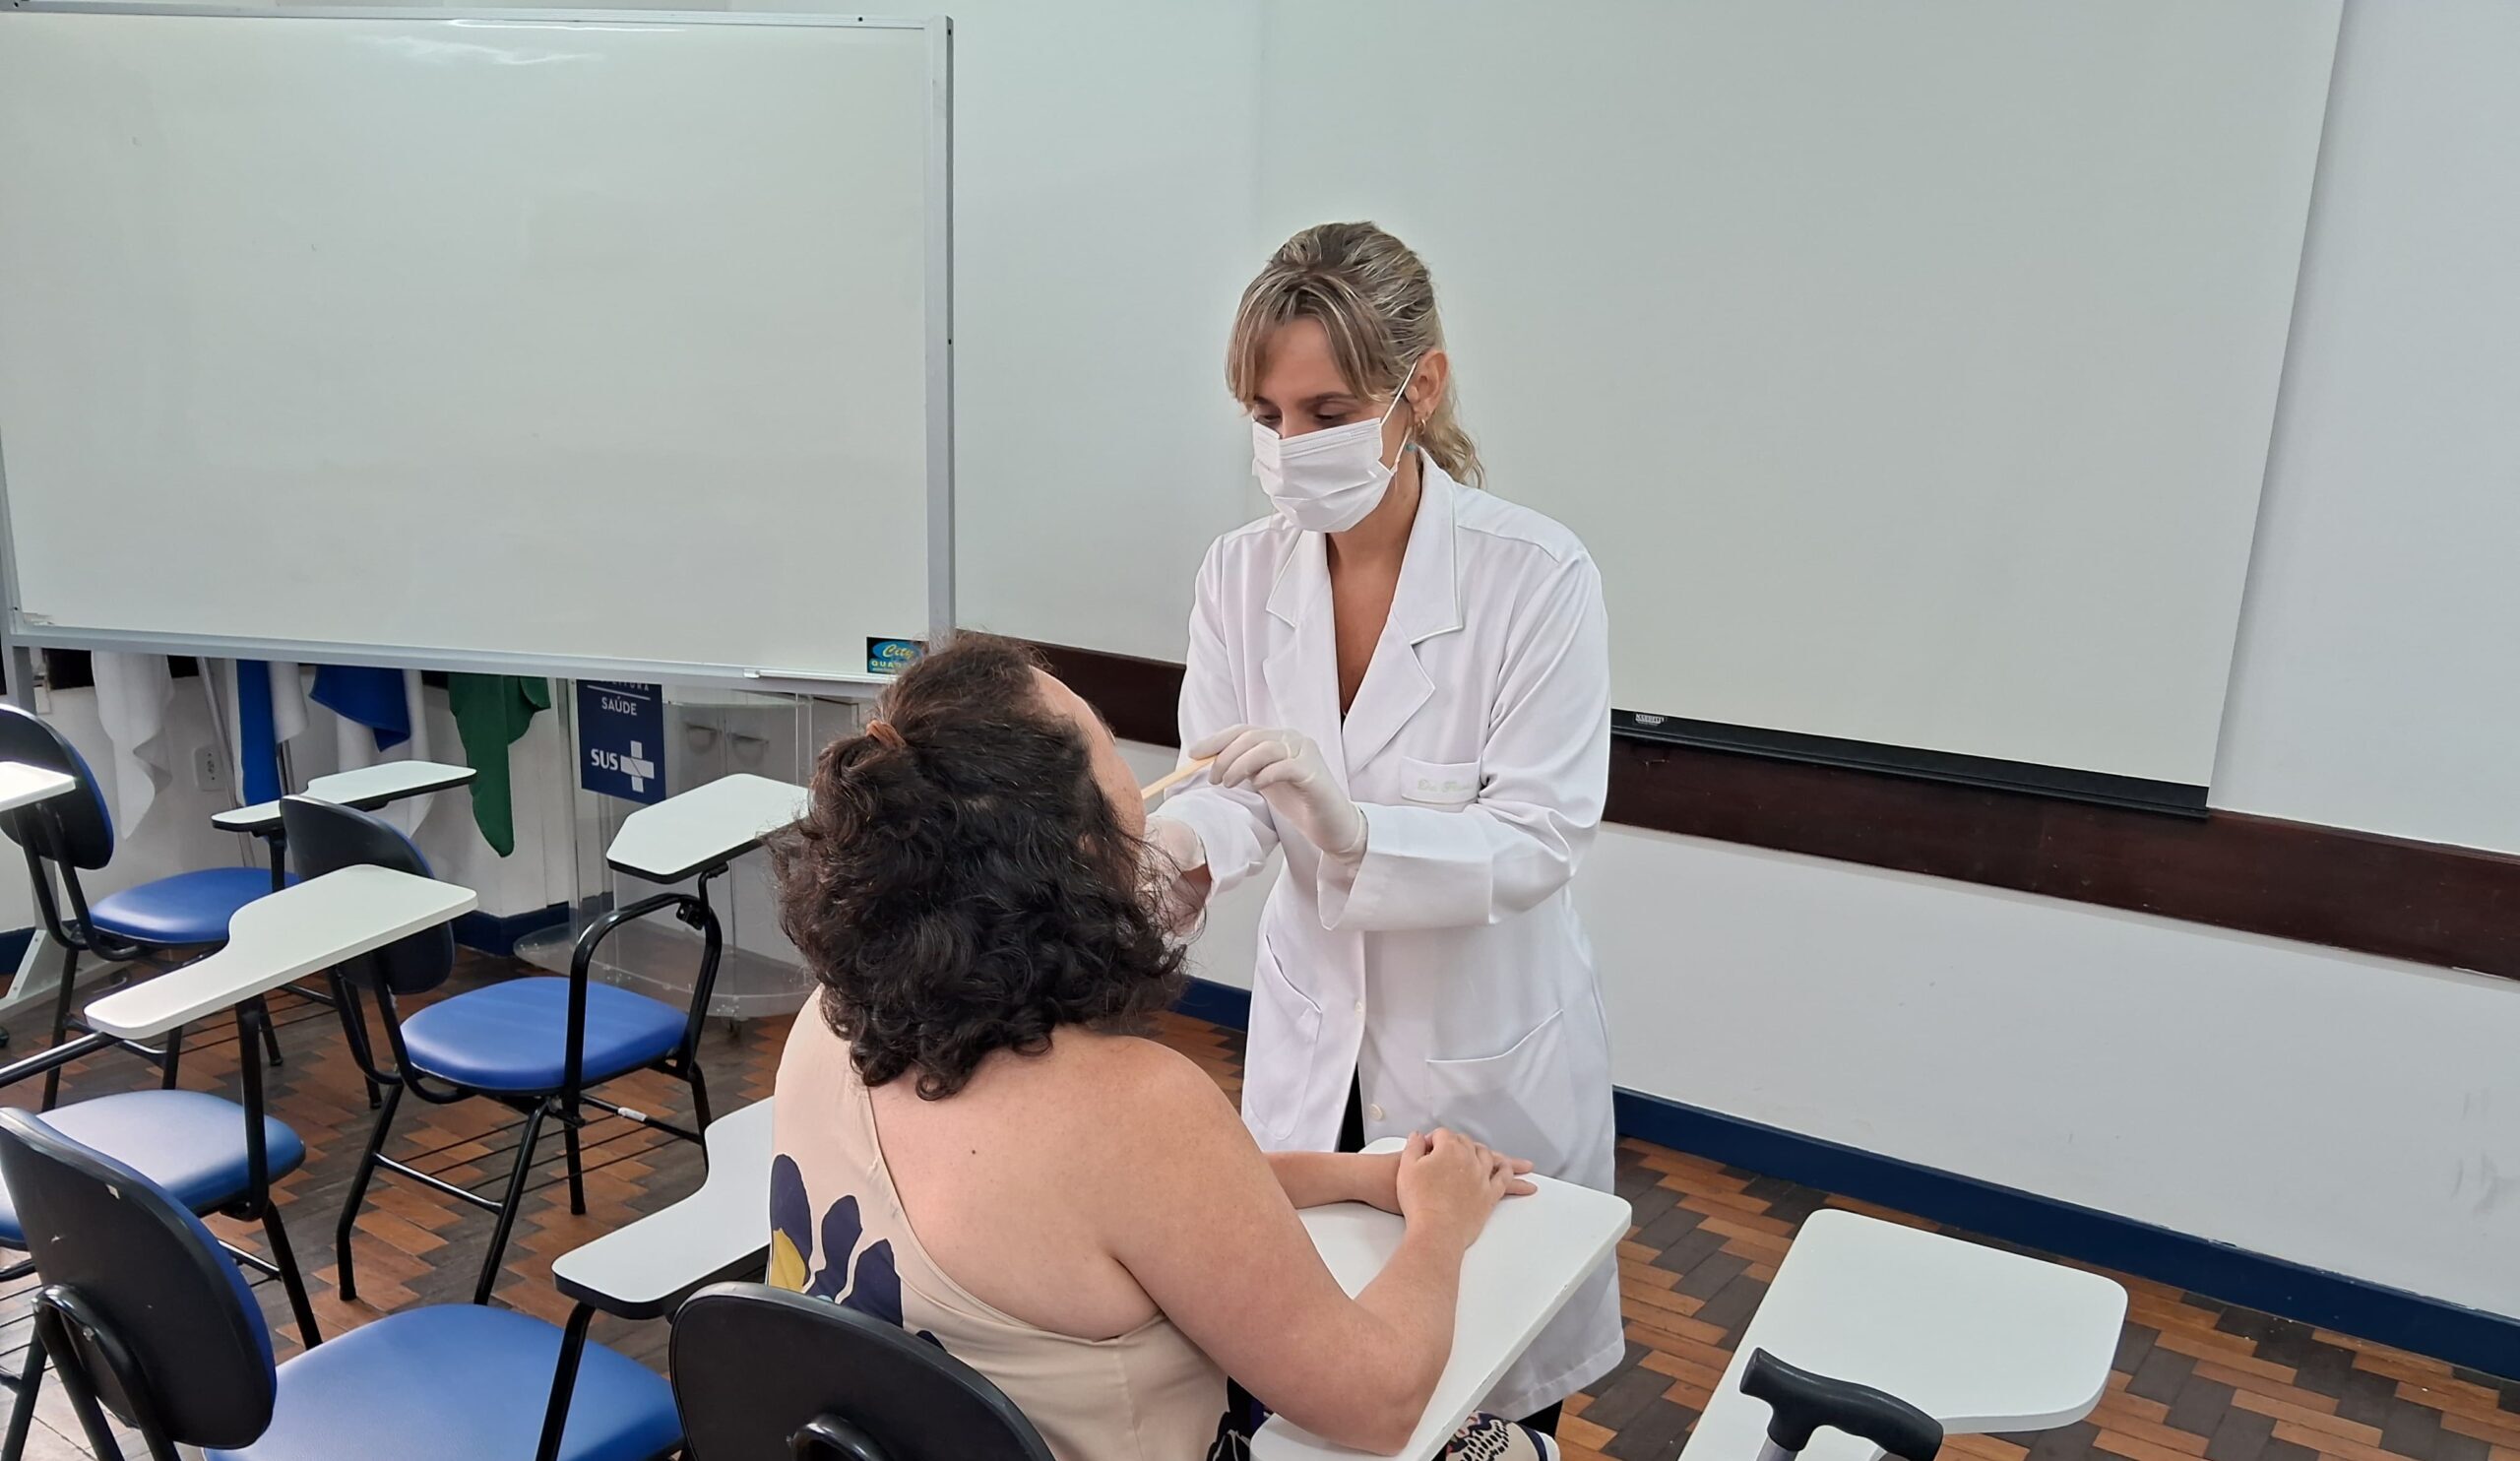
[(621, 731), (892, 656)]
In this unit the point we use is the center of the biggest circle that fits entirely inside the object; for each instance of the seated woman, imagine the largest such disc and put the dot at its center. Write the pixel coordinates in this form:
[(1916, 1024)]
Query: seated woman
[(971, 1145)]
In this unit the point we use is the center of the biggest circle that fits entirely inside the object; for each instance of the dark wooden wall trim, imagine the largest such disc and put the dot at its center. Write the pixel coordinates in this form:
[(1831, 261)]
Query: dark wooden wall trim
[(2452, 907)]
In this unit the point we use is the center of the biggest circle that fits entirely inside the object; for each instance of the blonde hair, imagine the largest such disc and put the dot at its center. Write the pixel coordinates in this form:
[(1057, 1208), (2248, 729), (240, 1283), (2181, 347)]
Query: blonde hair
[(1376, 303)]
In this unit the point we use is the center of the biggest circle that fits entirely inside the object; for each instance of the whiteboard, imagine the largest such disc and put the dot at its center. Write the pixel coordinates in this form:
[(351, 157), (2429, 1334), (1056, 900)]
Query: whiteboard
[(1909, 365), (594, 344)]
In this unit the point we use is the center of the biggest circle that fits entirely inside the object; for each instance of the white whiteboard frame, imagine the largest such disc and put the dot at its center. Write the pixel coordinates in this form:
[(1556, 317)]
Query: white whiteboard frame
[(21, 635)]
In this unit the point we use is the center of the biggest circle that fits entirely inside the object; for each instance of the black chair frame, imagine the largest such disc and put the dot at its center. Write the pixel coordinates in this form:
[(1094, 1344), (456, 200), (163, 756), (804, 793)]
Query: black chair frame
[(565, 1105), (44, 832), (253, 1023), (77, 936), (99, 1370), (755, 1367)]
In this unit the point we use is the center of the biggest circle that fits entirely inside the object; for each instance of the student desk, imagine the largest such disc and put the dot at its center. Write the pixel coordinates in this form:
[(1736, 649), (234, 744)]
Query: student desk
[(1980, 1339), (365, 790), (282, 936), (699, 831), (271, 940), (22, 785), (1527, 1263), (1515, 1278)]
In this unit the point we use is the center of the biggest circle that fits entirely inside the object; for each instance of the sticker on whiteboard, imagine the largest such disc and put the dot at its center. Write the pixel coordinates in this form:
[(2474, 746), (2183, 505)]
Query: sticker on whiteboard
[(892, 656)]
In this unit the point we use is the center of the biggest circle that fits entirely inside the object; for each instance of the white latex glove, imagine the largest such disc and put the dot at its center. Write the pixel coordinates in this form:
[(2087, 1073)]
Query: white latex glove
[(1287, 769)]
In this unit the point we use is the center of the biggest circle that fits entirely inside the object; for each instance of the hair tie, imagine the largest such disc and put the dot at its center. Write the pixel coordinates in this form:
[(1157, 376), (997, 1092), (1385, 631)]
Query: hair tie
[(882, 734)]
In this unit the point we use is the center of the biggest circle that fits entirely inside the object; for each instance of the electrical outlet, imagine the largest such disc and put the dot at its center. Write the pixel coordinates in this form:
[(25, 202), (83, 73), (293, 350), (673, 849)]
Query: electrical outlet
[(209, 773)]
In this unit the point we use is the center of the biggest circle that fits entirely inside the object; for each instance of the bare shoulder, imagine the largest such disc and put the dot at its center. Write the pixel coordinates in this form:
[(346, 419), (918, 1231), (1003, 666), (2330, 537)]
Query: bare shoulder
[(1129, 1097), (1144, 1080)]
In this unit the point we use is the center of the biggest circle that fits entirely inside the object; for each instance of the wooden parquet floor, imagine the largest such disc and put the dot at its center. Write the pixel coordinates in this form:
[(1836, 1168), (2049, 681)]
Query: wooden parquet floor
[(2193, 1379)]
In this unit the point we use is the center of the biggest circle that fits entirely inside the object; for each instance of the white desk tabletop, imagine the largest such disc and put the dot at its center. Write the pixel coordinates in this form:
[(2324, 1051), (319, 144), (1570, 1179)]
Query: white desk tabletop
[(20, 784), (1980, 1339), (366, 787), (1514, 1280), (279, 937), (696, 830), (722, 1229)]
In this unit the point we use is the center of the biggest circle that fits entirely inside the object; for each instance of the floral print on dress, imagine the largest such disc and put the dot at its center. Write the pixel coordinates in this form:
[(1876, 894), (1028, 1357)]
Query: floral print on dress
[(867, 1281)]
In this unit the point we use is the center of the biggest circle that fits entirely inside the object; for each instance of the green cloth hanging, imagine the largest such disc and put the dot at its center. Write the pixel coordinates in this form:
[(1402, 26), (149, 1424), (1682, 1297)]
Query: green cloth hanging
[(491, 714)]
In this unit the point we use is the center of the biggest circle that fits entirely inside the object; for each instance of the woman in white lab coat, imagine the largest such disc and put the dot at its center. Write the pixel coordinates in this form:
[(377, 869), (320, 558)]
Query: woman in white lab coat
[(1404, 682)]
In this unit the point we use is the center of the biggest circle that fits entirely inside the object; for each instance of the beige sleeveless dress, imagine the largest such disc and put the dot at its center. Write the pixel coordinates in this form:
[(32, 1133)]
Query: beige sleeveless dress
[(839, 1230)]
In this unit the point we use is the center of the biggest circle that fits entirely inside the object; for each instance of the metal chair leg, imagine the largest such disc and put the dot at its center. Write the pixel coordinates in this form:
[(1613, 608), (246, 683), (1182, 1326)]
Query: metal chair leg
[(509, 1204), (699, 1081), (22, 1414), (285, 1258), (576, 1162), (355, 1031), (166, 1067), (60, 1023), (82, 1392), (270, 1042), (358, 1193)]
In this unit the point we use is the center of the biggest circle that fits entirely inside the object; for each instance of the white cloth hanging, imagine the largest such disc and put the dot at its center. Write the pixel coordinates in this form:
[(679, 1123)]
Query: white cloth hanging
[(133, 693)]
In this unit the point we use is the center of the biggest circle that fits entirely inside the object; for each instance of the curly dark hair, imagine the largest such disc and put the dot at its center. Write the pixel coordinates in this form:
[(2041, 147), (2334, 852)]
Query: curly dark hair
[(961, 884)]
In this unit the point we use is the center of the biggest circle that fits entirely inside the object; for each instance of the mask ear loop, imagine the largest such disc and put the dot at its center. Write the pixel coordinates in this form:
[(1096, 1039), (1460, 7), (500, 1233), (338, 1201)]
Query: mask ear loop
[(1397, 397)]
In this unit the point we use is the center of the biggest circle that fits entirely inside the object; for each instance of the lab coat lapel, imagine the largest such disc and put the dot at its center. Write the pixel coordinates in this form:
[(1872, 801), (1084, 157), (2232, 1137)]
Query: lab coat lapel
[(1424, 604), (1302, 667)]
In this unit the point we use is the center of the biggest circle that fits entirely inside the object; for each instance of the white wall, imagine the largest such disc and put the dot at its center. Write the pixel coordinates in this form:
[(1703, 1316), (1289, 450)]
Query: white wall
[(2338, 1110)]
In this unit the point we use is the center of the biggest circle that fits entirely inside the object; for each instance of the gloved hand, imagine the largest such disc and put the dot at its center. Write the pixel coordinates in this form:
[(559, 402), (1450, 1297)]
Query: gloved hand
[(1287, 769)]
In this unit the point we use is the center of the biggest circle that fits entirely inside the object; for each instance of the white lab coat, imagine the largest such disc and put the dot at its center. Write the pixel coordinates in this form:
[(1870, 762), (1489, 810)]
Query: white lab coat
[(1446, 969)]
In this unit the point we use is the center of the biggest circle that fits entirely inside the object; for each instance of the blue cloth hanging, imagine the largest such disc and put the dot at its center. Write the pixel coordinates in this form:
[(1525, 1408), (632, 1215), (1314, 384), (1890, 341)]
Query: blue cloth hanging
[(257, 746), (373, 698)]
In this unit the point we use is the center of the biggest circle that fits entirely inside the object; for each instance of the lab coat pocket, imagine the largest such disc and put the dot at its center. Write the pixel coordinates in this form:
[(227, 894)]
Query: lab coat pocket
[(1447, 783), (1285, 1028), (1522, 1102)]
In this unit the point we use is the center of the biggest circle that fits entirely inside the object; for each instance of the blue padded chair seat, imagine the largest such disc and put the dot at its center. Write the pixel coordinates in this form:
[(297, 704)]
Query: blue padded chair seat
[(189, 908), (459, 1381), (513, 1037), (190, 1143)]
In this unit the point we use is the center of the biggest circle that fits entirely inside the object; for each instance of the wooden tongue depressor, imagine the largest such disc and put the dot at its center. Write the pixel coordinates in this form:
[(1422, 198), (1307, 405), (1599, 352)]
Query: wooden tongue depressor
[(1175, 777)]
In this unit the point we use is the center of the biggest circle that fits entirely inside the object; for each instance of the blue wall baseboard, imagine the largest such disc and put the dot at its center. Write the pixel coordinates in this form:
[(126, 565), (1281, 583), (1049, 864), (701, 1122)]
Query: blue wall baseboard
[(2446, 1332), (493, 934)]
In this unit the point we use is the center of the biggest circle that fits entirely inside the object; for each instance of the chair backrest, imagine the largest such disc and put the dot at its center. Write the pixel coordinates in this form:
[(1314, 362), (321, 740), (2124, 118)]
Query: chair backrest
[(326, 838), (765, 1372), (74, 827), (153, 1277)]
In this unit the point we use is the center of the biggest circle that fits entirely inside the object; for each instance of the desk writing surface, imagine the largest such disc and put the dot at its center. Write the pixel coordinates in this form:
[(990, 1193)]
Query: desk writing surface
[(1980, 1339), (365, 787), (696, 830), (387, 781), (1528, 1262), (281, 936), (20, 784), (724, 1225)]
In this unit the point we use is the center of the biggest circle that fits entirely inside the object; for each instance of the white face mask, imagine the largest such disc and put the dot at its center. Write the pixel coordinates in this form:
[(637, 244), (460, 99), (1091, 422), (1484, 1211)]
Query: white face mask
[(1327, 481)]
